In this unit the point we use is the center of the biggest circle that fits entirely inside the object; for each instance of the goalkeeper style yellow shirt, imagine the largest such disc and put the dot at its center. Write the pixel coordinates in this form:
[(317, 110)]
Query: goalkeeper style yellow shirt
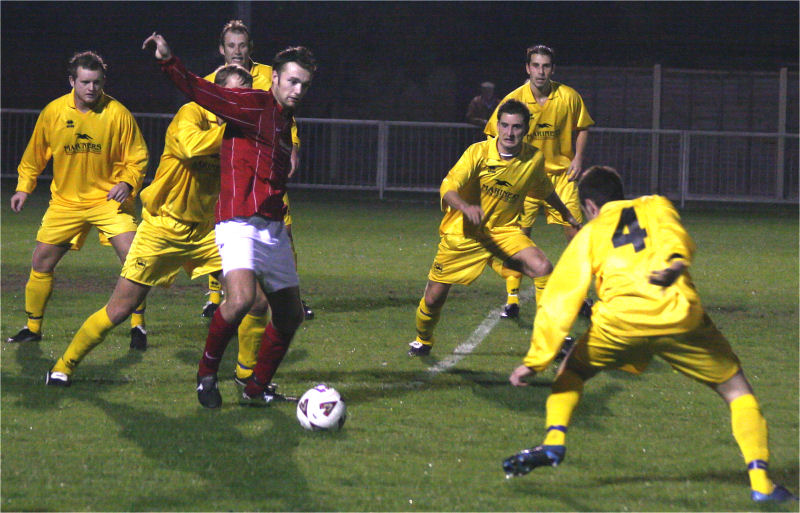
[(262, 79), (92, 151), (621, 247), (186, 184), (552, 125), (481, 177)]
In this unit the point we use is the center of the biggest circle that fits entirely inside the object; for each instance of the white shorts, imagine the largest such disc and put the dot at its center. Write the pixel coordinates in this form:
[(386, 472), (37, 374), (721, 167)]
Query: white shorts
[(261, 245)]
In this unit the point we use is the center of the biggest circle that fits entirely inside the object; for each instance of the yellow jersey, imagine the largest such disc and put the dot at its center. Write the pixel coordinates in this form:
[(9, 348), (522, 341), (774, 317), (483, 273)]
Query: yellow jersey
[(186, 184), (262, 79), (620, 247), (92, 151), (482, 177), (553, 125)]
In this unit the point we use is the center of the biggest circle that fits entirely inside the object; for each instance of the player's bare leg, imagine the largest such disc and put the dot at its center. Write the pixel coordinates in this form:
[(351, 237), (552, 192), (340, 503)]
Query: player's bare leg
[(122, 244)]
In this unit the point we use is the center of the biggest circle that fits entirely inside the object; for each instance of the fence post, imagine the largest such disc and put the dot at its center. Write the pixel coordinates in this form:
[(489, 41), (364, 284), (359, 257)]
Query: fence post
[(383, 157), (781, 163), (655, 155), (684, 166)]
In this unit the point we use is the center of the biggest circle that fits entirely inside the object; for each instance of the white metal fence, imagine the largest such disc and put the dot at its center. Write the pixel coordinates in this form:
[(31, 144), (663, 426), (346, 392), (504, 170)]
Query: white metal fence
[(407, 156)]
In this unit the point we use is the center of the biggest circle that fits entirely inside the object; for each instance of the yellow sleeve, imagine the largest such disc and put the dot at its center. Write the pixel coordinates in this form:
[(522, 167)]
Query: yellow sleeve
[(671, 237), (189, 139), (36, 155), (561, 301), (584, 120), (461, 173), (133, 165), (491, 125)]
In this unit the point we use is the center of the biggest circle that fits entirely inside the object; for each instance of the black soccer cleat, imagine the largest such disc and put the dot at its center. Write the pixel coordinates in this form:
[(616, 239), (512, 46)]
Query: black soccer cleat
[(308, 313), (566, 347), (779, 494), (586, 308), (510, 311), (57, 379), (25, 335), (208, 391), (208, 310), (529, 459), (417, 348), (139, 338), (265, 398)]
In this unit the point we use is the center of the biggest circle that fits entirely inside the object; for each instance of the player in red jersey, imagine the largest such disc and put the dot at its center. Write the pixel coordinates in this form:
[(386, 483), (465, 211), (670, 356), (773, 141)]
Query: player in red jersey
[(255, 161)]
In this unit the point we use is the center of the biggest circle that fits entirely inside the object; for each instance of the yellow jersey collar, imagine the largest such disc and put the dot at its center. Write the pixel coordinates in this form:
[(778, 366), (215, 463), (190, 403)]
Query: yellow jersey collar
[(493, 155)]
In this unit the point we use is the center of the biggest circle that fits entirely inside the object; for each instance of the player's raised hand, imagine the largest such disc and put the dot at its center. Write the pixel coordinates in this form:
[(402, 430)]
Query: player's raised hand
[(163, 52)]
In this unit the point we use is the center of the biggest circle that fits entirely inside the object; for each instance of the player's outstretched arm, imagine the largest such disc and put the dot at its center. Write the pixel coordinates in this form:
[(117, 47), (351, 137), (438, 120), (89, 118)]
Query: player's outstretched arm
[(163, 51), (554, 200)]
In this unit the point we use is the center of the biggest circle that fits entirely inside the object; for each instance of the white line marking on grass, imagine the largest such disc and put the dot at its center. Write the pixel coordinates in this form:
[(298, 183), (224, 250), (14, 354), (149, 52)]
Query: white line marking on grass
[(465, 348)]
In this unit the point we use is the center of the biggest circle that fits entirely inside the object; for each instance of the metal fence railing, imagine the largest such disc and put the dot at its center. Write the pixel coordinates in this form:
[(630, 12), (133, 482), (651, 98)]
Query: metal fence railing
[(408, 156)]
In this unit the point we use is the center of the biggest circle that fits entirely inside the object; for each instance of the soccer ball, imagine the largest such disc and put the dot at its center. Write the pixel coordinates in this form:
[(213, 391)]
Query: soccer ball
[(321, 409)]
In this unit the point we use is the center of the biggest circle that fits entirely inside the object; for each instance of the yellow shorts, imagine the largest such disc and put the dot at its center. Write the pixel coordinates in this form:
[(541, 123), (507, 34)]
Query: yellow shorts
[(163, 246), (70, 225), (461, 259), (703, 353), (566, 190)]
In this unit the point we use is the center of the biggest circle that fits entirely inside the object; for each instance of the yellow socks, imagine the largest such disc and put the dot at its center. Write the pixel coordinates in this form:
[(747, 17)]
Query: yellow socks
[(137, 317), (750, 431), (540, 283), (250, 331), (93, 331), (512, 289), (214, 290), (564, 397), (426, 320), (37, 293)]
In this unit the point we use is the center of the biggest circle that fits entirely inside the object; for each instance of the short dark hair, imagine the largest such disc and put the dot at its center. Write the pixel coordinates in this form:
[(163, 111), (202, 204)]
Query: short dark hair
[(540, 50), (226, 70), (238, 27), (89, 60), (515, 107), (300, 55), (600, 184)]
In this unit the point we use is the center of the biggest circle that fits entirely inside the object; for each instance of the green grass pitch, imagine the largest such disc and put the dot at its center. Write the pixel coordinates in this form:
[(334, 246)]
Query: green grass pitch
[(129, 434)]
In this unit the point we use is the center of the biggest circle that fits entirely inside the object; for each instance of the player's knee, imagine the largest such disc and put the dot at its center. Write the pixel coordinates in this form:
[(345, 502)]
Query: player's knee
[(118, 312), (289, 321)]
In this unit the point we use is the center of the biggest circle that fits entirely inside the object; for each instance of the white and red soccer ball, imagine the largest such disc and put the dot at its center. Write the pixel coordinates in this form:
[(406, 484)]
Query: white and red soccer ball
[(321, 409)]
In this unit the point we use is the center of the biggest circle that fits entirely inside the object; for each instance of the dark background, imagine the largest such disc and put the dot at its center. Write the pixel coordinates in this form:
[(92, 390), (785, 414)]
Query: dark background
[(418, 61)]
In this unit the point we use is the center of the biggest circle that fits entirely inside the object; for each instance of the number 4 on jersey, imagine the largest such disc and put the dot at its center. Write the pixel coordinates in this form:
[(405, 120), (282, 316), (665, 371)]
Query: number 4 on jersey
[(635, 234)]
